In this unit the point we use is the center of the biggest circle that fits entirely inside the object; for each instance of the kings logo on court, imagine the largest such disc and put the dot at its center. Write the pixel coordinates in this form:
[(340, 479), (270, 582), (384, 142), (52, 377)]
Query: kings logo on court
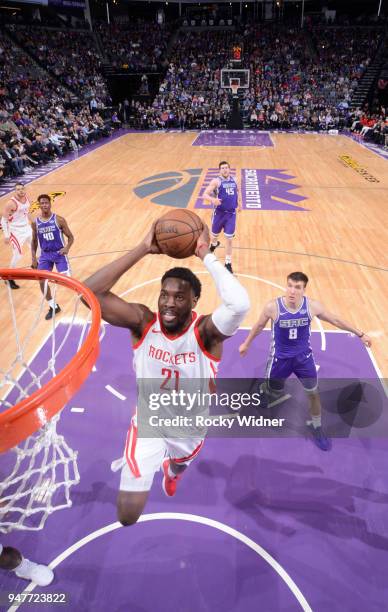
[(261, 189)]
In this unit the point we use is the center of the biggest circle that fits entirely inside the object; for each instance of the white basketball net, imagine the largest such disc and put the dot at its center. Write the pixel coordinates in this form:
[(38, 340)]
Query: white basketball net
[(43, 468)]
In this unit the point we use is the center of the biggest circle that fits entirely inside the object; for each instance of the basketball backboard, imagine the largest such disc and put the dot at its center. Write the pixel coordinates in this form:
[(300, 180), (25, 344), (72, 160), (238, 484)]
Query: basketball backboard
[(232, 76)]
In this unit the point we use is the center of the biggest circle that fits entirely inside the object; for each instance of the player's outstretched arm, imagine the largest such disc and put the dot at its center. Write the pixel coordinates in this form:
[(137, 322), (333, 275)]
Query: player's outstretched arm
[(66, 230), (210, 190), (9, 208), (268, 312), (317, 309), (226, 319), (34, 246), (115, 310)]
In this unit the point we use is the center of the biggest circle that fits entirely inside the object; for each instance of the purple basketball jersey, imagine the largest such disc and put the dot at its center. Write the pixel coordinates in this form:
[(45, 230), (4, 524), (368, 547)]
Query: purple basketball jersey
[(291, 330), (227, 193), (49, 235)]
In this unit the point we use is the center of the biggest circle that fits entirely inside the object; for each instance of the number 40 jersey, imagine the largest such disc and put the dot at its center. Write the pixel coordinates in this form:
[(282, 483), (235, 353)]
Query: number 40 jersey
[(50, 236)]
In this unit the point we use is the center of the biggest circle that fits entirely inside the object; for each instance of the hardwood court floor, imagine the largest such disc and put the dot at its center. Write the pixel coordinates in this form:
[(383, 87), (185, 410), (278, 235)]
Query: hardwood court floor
[(339, 242)]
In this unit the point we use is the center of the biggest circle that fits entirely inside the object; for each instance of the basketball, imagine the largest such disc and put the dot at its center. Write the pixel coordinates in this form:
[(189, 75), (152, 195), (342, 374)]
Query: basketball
[(177, 233)]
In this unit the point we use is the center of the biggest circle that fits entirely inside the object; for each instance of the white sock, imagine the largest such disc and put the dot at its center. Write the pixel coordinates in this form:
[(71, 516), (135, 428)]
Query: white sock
[(228, 259), (170, 472), (214, 242), (15, 258), (315, 421), (51, 303)]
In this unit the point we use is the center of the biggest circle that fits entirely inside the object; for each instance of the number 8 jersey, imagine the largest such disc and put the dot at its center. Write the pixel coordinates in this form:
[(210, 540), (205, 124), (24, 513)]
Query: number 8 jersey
[(49, 234), (291, 330)]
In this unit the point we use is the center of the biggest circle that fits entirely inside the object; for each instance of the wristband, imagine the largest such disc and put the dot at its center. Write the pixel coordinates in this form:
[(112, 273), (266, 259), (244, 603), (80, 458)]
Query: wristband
[(5, 227)]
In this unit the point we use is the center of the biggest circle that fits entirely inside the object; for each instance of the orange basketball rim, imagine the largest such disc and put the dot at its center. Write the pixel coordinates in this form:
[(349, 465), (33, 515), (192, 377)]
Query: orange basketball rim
[(33, 412)]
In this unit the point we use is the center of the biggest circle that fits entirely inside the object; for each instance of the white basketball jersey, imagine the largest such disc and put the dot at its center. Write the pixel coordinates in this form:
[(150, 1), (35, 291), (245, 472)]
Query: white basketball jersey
[(19, 218), (160, 356), (173, 365)]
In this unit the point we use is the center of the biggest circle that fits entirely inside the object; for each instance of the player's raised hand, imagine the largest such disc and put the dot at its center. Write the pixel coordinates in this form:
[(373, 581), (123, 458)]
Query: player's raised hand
[(366, 340), (150, 241), (243, 349), (203, 242)]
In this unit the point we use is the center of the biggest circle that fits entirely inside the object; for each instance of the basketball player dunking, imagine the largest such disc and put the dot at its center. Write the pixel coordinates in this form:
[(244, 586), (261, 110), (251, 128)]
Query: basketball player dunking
[(193, 345), (48, 230), (15, 223), (223, 193), (290, 351)]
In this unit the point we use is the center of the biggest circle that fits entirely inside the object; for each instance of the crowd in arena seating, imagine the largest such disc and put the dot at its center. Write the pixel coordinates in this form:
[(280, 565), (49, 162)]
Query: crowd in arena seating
[(39, 120), (190, 95), (71, 56), (298, 80), (371, 125), (136, 46), (293, 85)]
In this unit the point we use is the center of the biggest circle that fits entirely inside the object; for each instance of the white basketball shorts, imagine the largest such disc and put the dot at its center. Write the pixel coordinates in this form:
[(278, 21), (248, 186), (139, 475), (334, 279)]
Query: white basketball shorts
[(144, 456), (19, 235)]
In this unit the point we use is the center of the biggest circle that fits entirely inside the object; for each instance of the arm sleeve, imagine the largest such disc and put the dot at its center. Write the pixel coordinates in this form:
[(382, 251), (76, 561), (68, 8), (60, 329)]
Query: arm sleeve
[(235, 301), (5, 226)]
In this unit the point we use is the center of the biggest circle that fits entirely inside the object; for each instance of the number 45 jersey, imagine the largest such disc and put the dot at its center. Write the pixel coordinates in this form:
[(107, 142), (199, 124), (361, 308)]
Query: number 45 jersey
[(227, 193), (291, 331)]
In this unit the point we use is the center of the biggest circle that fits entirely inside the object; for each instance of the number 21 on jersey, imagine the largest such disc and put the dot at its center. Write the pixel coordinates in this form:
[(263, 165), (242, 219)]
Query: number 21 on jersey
[(169, 377)]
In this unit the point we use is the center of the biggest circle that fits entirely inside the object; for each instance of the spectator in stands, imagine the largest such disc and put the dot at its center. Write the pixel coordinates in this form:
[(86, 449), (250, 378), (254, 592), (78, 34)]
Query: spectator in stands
[(12, 160)]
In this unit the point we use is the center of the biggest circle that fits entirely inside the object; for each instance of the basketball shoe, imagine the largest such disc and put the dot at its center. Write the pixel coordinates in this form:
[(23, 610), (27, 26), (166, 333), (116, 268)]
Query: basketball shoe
[(12, 284), (40, 574), (169, 484), (270, 398), (213, 247), (50, 312), (319, 437), (228, 266)]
